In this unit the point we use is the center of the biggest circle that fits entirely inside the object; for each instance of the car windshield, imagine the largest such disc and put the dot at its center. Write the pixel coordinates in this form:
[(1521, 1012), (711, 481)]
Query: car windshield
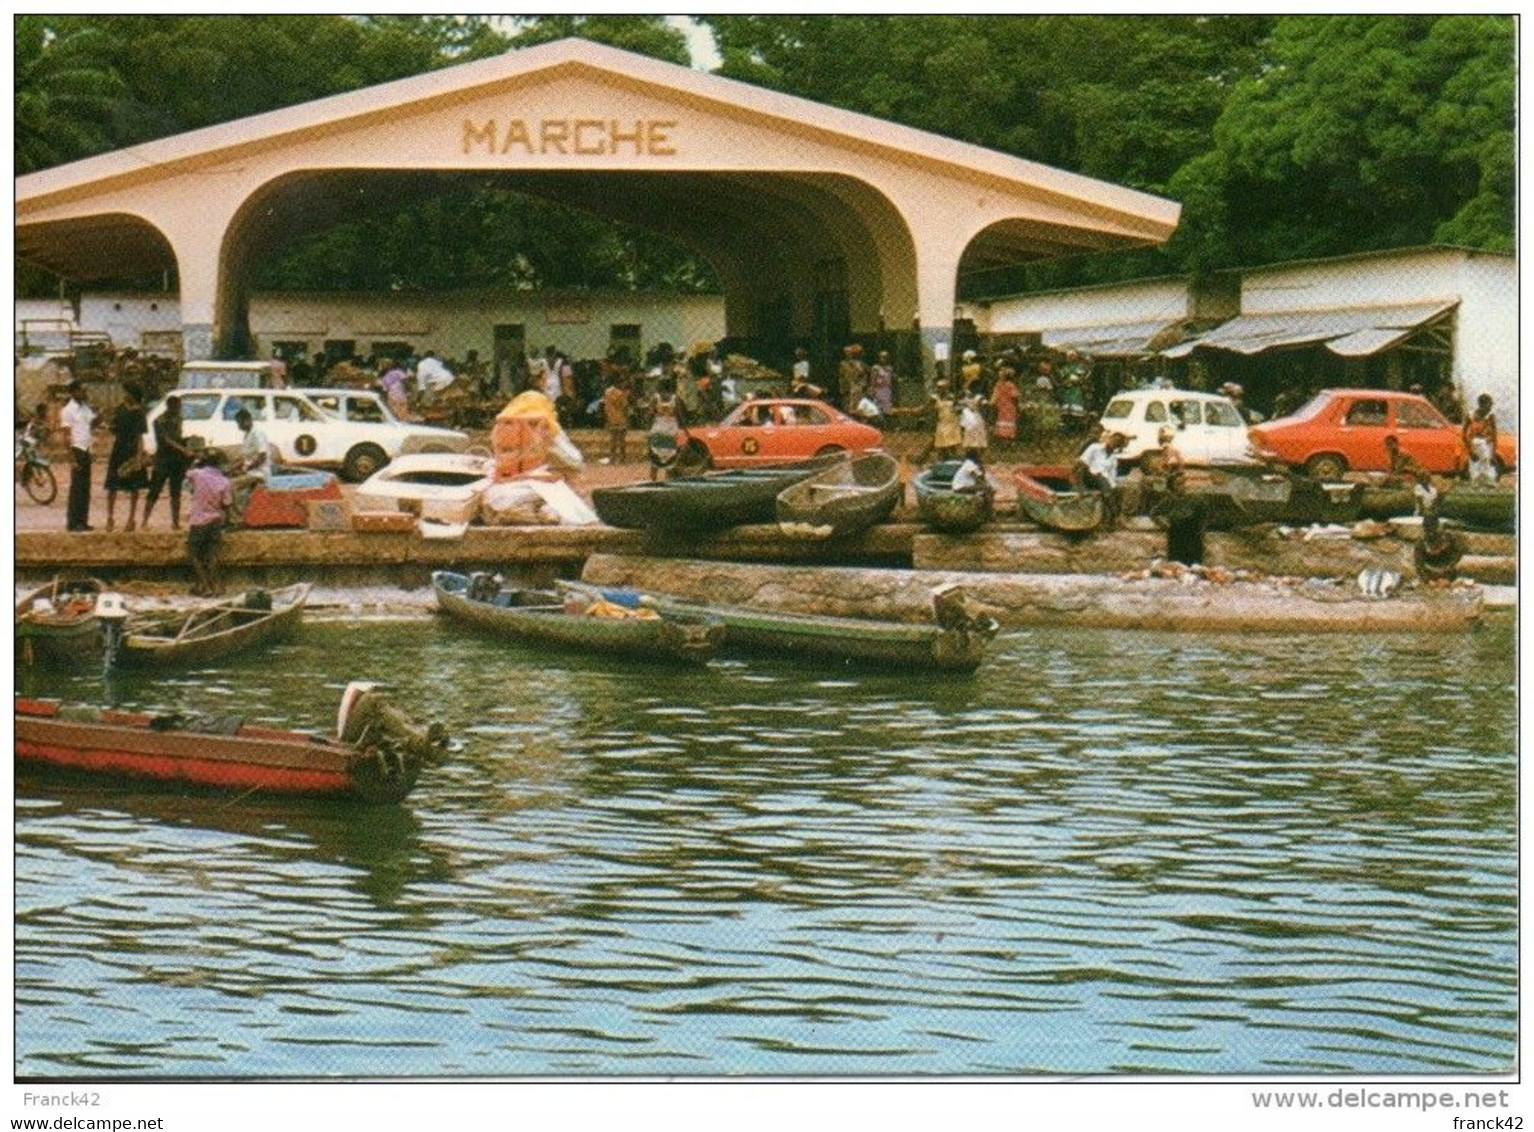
[(1118, 409), (1312, 407)]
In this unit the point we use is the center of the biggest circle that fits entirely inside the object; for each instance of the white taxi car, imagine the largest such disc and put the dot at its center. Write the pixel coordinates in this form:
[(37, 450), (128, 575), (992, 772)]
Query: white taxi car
[(1208, 426), (303, 434)]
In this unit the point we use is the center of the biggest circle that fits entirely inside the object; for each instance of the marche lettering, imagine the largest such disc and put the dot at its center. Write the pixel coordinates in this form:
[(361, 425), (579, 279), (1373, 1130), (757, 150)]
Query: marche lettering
[(591, 136)]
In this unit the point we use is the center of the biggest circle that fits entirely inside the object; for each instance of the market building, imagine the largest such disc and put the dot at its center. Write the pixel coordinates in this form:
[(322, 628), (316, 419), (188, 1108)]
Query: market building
[(1436, 316), (824, 225), (497, 327)]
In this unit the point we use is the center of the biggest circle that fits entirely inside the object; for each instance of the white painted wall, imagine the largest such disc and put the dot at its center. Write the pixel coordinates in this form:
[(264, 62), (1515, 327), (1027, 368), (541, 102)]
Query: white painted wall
[(451, 323), (1486, 343), (1122, 303), (1485, 286)]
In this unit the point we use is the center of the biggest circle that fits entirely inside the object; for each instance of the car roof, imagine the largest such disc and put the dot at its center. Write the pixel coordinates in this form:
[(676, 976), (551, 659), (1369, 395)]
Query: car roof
[(1195, 394), (1397, 394)]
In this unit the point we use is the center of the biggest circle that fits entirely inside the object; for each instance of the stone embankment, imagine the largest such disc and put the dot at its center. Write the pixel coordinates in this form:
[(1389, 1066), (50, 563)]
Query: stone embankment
[(1094, 600)]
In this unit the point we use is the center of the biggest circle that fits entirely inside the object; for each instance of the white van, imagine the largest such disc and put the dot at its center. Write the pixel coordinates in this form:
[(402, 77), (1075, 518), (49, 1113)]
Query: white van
[(1208, 426)]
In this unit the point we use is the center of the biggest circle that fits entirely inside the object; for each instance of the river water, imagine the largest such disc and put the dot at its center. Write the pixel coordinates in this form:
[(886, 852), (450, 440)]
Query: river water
[(1106, 853)]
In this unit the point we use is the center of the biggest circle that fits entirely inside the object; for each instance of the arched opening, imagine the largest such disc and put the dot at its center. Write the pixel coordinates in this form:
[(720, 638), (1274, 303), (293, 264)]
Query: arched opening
[(801, 259), (109, 250)]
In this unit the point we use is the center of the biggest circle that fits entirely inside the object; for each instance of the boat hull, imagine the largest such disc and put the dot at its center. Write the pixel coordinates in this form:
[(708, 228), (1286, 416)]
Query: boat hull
[(230, 629), (954, 512), (1045, 496), (842, 500), (647, 639), (124, 745), (70, 636), (702, 503), (846, 639), (1480, 506)]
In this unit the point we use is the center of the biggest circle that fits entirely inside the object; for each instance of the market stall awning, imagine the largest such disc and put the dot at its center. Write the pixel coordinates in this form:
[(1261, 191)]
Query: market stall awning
[(1111, 340), (1348, 331)]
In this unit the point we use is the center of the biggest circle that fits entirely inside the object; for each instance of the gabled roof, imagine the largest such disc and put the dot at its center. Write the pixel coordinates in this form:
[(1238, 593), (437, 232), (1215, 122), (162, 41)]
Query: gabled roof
[(550, 60)]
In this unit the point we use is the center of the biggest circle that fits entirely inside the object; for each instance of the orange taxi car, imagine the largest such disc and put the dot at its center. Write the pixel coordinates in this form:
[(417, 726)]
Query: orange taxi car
[(774, 430), (1342, 430)]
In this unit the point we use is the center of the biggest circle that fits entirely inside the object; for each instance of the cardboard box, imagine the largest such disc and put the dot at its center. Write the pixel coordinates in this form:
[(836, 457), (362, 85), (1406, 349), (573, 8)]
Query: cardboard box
[(329, 514), (372, 522)]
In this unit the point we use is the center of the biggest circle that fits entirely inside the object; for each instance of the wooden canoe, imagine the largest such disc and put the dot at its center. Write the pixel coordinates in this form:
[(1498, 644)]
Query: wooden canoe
[(1483, 507), (954, 641), (56, 624), (707, 502), (1046, 495), (377, 757), (212, 631), (1478, 506), (536, 615), (844, 499), (943, 509)]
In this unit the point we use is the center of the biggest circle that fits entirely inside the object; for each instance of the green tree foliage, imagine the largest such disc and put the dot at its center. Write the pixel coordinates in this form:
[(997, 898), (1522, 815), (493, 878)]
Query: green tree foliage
[(1360, 132), (66, 92), (1282, 136), (643, 35), (1127, 99)]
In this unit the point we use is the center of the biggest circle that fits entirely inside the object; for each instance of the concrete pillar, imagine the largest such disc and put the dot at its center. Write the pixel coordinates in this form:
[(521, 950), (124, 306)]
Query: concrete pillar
[(937, 278), (197, 245)]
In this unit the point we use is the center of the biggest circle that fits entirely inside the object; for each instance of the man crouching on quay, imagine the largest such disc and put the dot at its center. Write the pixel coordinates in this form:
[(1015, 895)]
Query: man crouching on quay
[(1097, 469), (211, 499)]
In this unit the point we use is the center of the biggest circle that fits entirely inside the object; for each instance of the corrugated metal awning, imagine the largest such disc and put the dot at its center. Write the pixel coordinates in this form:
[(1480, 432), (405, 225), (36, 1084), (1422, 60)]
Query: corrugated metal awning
[(1364, 342), (1349, 331), (1110, 340)]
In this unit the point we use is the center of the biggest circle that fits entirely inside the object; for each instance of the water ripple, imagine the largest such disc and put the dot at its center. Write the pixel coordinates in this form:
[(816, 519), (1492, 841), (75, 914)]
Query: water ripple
[(1106, 853)]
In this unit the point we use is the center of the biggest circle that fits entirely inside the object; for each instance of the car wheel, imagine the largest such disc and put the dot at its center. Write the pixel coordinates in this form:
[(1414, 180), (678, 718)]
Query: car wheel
[(432, 447), (362, 461), (1326, 466), (831, 450)]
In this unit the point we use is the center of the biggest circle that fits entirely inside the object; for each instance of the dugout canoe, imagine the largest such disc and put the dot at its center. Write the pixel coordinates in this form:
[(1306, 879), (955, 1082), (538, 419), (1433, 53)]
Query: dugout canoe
[(376, 757), (943, 509), (707, 502), (57, 624), (1046, 495), (212, 631), (845, 499), (548, 618), (954, 641)]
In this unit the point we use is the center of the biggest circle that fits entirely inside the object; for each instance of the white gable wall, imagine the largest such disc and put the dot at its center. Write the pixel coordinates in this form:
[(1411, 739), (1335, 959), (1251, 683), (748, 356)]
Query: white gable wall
[(1484, 285), (1147, 301)]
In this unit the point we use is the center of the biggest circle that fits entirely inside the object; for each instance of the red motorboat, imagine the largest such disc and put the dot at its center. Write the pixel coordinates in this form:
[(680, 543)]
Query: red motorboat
[(376, 758)]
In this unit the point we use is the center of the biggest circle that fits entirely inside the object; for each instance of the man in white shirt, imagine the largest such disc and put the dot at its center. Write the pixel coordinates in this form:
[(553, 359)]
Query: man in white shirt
[(255, 464), (971, 474), (1097, 469), (76, 419), (432, 376), (553, 366)]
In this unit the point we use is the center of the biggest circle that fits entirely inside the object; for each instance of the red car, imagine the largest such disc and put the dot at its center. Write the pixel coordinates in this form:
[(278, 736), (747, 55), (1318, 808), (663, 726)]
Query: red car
[(1341, 430), (774, 430)]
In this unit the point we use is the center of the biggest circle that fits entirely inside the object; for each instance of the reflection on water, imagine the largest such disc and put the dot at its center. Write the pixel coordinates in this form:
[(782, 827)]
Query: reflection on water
[(1104, 853)]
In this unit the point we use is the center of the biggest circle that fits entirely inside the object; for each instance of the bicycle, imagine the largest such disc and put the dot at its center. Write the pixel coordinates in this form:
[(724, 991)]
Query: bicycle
[(33, 472)]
